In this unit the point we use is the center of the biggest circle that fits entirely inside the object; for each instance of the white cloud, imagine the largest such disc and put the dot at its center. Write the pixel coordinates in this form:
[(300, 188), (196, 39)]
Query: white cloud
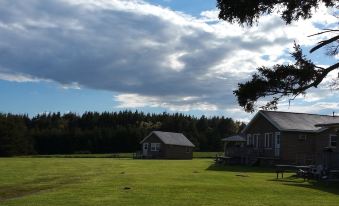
[(18, 77), (173, 103), (150, 55), (73, 85), (316, 108)]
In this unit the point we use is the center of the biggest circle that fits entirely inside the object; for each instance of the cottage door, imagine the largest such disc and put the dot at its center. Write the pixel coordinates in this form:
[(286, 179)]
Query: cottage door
[(277, 144), (145, 149)]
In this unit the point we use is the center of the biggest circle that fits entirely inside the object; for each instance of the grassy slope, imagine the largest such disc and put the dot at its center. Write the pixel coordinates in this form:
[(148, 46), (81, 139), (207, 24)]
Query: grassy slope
[(102, 181)]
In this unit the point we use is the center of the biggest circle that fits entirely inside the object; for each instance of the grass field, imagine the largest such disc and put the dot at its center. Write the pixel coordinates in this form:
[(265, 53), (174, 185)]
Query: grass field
[(120, 155), (109, 181)]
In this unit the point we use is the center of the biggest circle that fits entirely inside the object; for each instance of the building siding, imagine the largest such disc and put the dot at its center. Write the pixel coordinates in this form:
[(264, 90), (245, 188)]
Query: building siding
[(261, 126), (292, 148), (167, 151), (154, 154), (297, 150), (178, 152), (324, 139)]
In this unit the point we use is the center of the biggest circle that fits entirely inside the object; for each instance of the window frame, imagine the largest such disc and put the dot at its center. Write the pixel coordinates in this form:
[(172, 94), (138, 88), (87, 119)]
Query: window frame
[(255, 140), (268, 140), (302, 137), (249, 139), (278, 138), (155, 147), (331, 142)]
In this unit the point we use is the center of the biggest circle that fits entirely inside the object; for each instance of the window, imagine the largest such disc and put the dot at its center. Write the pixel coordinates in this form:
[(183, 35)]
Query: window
[(277, 135), (155, 147), (302, 137), (187, 149), (333, 140), (249, 139), (255, 140), (268, 140)]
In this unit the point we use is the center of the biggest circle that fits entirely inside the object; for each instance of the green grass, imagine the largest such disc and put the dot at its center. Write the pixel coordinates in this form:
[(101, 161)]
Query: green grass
[(108, 155), (119, 155), (108, 181), (206, 154)]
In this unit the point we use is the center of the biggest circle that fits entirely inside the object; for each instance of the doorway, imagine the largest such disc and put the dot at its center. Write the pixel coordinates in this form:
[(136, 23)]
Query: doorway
[(145, 149), (277, 144)]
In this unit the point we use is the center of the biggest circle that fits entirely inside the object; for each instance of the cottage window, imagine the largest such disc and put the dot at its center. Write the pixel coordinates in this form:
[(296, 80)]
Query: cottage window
[(302, 137), (333, 140), (187, 149), (249, 139), (277, 135), (255, 140), (268, 140), (155, 147)]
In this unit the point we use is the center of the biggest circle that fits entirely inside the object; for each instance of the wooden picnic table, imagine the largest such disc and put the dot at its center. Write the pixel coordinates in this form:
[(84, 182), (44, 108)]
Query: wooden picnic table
[(281, 169), (221, 159)]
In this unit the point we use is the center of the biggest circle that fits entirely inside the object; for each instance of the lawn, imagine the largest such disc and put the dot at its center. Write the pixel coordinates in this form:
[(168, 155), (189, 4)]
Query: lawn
[(111, 181), (120, 155)]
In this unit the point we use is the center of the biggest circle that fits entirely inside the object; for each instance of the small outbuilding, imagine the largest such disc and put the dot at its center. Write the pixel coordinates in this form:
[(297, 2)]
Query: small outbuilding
[(167, 145)]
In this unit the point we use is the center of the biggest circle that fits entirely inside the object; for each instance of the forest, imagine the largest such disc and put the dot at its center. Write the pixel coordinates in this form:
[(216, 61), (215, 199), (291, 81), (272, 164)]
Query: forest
[(106, 132)]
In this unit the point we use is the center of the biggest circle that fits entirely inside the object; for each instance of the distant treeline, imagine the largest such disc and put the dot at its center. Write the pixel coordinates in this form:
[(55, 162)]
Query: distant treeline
[(107, 132)]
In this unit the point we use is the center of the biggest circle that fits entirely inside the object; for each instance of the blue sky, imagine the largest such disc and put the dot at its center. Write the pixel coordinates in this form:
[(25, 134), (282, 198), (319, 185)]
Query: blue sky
[(192, 7), (153, 56)]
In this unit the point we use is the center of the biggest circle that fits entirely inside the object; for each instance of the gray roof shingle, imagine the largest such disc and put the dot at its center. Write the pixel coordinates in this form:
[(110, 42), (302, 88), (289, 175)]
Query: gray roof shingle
[(235, 138), (288, 121), (171, 138)]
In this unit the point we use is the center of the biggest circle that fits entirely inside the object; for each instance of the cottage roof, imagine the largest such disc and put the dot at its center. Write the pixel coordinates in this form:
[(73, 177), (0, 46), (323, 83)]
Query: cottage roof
[(171, 138), (300, 122), (235, 138), (328, 124)]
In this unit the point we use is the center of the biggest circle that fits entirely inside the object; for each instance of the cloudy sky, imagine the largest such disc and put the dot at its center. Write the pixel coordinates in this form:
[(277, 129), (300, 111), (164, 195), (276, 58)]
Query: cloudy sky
[(154, 56)]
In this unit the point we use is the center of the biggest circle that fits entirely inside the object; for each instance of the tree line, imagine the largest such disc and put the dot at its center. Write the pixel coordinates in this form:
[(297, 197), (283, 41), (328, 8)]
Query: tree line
[(107, 132)]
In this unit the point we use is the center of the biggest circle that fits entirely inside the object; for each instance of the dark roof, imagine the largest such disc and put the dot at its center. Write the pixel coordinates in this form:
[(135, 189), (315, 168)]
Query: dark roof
[(171, 138), (328, 124), (235, 138), (300, 122)]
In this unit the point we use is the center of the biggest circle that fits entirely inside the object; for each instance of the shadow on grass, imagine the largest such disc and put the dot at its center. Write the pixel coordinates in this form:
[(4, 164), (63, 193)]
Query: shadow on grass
[(35, 186), (322, 185), (292, 180), (240, 168), (289, 180)]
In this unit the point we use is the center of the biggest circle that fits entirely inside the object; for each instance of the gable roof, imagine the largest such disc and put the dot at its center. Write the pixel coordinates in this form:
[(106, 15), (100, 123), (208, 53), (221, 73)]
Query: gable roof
[(171, 138), (299, 122)]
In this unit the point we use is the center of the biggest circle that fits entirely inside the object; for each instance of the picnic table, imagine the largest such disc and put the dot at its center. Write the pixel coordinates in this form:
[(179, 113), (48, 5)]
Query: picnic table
[(221, 159), (281, 169)]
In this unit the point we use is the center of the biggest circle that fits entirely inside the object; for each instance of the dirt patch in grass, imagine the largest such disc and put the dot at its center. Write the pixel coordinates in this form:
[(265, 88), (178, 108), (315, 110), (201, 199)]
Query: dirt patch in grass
[(36, 186)]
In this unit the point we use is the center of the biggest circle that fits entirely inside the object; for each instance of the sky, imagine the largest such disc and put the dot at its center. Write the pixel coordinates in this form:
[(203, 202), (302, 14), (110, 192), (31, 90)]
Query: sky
[(152, 56)]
